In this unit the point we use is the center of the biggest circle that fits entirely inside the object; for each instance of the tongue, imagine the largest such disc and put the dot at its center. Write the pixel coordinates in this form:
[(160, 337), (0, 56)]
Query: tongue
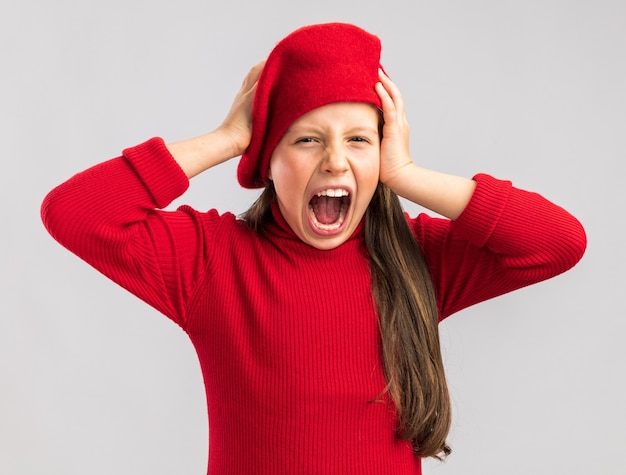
[(326, 209)]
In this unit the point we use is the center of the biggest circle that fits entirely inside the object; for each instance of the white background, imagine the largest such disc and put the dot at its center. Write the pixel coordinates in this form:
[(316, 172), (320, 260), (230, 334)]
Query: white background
[(94, 381)]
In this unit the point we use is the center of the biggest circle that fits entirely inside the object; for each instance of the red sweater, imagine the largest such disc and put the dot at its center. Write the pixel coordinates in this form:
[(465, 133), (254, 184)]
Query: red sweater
[(287, 335)]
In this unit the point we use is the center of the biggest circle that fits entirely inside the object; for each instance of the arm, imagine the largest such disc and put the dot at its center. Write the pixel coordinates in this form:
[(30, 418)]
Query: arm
[(447, 195), (505, 239), (109, 215), (498, 238)]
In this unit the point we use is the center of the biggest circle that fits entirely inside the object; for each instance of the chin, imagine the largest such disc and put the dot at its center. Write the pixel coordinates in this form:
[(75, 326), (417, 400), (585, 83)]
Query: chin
[(326, 245), (327, 241)]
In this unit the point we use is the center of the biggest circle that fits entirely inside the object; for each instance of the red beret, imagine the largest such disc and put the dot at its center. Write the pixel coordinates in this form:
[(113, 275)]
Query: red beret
[(314, 66)]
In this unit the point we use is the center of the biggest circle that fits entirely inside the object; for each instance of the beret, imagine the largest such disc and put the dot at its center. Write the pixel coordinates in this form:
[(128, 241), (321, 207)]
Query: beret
[(313, 66)]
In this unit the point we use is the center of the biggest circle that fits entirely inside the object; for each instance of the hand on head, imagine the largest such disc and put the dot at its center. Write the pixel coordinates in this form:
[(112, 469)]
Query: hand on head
[(394, 148), (238, 122), (395, 145), (394, 153)]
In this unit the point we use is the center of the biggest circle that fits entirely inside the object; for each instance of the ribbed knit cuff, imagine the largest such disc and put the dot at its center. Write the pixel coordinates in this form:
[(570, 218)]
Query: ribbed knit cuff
[(158, 171), (482, 213)]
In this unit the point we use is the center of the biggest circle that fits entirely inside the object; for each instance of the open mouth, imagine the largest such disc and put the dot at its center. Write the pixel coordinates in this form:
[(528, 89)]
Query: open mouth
[(328, 208)]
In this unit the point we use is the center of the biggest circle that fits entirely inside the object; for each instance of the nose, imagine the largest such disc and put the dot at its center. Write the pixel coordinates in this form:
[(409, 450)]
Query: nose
[(335, 161)]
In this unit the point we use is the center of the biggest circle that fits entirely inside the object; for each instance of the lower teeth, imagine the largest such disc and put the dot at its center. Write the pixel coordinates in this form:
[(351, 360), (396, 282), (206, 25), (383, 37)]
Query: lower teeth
[(332, 226)]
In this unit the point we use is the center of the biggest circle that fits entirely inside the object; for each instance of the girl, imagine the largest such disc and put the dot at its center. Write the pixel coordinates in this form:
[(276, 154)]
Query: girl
[(315, 315)]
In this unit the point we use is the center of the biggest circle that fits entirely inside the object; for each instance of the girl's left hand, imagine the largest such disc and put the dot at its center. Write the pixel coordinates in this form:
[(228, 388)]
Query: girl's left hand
[(394, 149)]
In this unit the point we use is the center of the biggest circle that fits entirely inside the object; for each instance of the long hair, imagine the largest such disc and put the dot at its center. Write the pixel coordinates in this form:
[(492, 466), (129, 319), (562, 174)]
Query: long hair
[(408, 321)]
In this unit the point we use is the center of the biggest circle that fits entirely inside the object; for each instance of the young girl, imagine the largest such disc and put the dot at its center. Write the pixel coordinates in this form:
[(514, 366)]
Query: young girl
[(315, 315)]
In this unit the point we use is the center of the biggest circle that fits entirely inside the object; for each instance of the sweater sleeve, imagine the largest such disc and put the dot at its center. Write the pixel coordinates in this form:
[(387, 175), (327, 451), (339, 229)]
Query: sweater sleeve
[(110, 216), (505, 239)]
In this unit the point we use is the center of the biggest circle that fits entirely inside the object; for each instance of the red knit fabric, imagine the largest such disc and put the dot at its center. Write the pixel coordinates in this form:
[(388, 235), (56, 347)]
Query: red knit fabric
[(314, 66), (286, 334)]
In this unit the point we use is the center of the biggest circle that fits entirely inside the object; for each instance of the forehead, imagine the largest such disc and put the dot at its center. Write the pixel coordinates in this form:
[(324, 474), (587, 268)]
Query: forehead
[(339, 114)]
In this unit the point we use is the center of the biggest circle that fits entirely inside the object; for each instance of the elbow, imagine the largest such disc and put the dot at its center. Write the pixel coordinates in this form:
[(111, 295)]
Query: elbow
[(559, 246), (568, 246), (49, 214), (577, 242), (56, 215)]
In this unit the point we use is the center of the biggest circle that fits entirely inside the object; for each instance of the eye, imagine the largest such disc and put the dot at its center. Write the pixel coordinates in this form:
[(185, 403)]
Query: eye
[(359, 139), (305, 140)]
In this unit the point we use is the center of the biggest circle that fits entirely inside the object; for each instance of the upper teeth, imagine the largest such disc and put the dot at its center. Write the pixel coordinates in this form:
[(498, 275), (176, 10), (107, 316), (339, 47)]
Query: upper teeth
[(333, 193)]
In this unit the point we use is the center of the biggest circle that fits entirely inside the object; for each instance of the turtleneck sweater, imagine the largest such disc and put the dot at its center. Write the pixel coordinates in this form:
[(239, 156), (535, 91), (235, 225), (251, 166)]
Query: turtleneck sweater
[(287, 335)]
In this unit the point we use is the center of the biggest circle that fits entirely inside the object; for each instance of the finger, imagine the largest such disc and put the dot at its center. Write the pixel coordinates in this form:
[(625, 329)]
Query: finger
[(388, 83), (253, 76), (258, 67), (388, 106), (393, 92)]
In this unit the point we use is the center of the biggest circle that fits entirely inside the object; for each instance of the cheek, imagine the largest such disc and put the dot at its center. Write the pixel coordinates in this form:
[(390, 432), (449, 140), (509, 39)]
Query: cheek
[(282, 166), (367, 177), (370, 179), (286, 179), (368, 171), (289, 186), (291, 173)]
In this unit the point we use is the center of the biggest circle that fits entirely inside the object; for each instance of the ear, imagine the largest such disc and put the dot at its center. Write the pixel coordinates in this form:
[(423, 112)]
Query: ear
[(269, 173)]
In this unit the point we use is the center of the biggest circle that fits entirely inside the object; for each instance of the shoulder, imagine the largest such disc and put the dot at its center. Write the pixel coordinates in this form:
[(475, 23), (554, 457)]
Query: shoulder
[(214, 221)]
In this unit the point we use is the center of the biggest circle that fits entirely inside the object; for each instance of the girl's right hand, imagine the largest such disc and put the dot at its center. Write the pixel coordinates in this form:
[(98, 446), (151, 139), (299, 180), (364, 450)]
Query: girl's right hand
[(237, 125), (229, 140)]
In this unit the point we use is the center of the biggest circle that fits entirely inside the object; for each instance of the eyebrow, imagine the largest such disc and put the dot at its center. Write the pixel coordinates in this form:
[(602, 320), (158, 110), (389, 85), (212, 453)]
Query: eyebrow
[(315, 129)]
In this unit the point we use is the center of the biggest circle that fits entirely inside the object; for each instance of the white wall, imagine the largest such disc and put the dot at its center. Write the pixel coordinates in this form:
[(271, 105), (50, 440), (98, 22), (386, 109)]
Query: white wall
[(94, 381)]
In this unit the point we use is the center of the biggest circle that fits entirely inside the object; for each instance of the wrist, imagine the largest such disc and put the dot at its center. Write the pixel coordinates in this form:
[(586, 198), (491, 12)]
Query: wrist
[(198, 154), (401, 178)]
